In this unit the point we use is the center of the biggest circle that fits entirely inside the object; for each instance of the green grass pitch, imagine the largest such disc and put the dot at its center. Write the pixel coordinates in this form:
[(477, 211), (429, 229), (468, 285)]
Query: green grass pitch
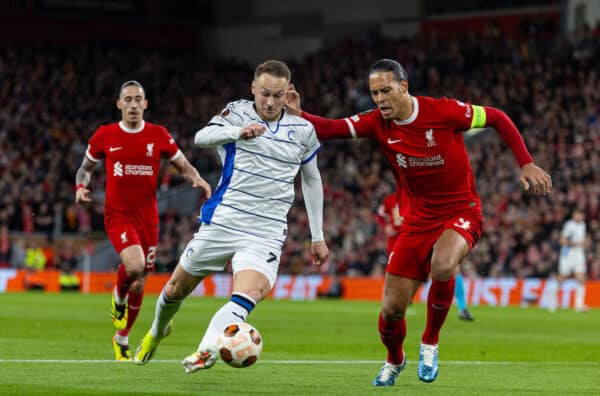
[(59, 344)]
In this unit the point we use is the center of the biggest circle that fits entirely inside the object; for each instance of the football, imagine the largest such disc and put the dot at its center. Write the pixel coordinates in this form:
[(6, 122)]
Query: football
[(239, 345)]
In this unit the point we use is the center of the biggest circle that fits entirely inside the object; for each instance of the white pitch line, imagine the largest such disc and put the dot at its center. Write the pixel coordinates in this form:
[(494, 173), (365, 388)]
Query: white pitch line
[(451, 362)]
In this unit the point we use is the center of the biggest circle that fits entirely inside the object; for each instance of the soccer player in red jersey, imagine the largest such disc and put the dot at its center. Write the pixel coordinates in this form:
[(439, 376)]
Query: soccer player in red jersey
[(390, 219), (421, 138), (132, 150)]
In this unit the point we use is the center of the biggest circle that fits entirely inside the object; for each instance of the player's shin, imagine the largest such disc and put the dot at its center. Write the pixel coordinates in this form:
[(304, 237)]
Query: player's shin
[(392, 335), (165, 310), (134, 307), (438, 304)]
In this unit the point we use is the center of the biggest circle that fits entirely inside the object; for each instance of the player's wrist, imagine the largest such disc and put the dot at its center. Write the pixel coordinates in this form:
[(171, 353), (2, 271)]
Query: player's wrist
[(78, 186)]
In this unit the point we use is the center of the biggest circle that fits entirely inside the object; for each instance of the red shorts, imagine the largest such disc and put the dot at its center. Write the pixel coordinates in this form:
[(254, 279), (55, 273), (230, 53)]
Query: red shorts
[(411, 256), (123, 233)]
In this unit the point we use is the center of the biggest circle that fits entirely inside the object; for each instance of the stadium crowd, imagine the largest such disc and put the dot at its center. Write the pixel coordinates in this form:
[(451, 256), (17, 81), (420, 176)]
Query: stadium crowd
[(52, 99)]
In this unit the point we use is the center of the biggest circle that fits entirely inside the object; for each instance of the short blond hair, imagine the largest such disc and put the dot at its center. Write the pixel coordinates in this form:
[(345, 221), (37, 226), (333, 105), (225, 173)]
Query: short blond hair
[(273, 67)]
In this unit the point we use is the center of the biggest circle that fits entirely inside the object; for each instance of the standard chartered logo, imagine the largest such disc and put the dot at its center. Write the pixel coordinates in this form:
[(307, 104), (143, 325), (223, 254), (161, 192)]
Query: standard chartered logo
[(118, 169), (134, 170), (401, 160)]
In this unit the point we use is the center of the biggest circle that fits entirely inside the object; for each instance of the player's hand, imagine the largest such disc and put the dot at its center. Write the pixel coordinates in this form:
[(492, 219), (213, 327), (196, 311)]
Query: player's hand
[(292, 101), (320, 252), (82, 195), (252, 131), (199, 182), (535, 179)]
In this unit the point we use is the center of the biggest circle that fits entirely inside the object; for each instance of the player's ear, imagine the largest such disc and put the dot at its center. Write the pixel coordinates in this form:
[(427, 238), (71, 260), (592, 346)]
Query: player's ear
[(253, 88), (119, 105), (145, 104)]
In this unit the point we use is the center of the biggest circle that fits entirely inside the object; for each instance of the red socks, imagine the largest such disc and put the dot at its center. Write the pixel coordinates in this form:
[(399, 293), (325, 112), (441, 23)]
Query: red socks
[(134, 305), (392, 335), (123, 281), (439, 301)]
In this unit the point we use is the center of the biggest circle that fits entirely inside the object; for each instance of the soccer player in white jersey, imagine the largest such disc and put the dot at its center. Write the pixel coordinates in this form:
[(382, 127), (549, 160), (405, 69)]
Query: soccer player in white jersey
[(262, 148), (572, 260)]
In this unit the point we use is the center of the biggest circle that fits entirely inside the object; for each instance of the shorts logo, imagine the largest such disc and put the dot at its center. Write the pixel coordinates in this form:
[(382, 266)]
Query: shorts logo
[(149, 149), (462, 223), (118, 169), (124, 237)]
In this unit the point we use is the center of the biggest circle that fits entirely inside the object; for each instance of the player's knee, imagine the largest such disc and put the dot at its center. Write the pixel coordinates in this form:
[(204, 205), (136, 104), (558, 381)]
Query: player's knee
[(174, 291), (443, 267), (393, 310), (135, 269)]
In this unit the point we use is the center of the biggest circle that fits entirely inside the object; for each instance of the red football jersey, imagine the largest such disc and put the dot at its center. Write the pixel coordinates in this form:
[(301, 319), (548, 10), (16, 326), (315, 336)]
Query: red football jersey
[(389, 211), (132, 162), (427, 154)]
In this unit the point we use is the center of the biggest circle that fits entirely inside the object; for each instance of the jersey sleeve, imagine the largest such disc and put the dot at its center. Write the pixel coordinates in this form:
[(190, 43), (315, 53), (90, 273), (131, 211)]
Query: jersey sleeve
[(463, 115), (169, 146), (357, 126), (312, 145), (96, 146)]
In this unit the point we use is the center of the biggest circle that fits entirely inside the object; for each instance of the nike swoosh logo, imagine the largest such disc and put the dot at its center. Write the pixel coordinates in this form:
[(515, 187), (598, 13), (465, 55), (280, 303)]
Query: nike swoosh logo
[(390, 141), (111, 149)]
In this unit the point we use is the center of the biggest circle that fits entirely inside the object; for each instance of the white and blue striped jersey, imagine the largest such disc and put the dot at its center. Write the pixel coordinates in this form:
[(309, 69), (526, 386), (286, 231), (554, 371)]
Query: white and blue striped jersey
[(256, 188), (575, 232)]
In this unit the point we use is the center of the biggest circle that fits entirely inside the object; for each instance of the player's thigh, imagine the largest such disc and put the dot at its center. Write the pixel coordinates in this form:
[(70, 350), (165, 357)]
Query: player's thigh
[(410, 257), (208, 251), (456, 237), (128, 241), (447, 252), (256, 260)]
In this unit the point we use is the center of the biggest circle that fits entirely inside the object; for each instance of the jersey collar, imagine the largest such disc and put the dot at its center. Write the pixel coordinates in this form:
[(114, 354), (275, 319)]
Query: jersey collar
[(129, 130), (414, 114)]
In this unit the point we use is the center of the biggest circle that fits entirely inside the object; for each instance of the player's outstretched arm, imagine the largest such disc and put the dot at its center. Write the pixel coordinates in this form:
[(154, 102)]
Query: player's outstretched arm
[(533, 178), (326, 128), (191, 174), (214, 135), (82, 180), (312, 189)]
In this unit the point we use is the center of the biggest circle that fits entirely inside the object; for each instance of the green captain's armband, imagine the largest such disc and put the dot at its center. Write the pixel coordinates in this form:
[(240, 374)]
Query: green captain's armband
[(479, 117)]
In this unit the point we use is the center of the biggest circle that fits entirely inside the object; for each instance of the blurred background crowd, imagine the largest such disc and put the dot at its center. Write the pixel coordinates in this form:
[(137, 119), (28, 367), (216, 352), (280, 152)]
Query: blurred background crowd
[(52, 98)]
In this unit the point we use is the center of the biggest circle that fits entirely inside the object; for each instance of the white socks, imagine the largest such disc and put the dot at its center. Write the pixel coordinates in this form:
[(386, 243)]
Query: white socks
[(165, 310), (234, 311)]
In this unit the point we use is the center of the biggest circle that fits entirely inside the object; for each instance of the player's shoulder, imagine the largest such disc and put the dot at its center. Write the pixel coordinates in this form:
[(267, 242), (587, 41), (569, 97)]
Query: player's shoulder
[(105, 131), (443, 101), (370, 115), (240, 105), (296, 121), (150, 126)]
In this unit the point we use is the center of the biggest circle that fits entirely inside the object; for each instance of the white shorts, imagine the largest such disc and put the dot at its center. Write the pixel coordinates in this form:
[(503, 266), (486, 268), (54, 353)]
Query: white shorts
[(212, 247), (572, 263)]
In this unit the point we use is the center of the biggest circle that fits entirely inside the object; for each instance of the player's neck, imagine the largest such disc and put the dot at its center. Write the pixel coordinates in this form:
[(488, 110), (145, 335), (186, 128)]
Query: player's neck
[(408, 109), (132, 126)]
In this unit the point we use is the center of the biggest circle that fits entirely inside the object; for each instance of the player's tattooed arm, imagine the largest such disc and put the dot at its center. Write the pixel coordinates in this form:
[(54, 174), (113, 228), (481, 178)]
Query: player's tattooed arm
[(82, 180)]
